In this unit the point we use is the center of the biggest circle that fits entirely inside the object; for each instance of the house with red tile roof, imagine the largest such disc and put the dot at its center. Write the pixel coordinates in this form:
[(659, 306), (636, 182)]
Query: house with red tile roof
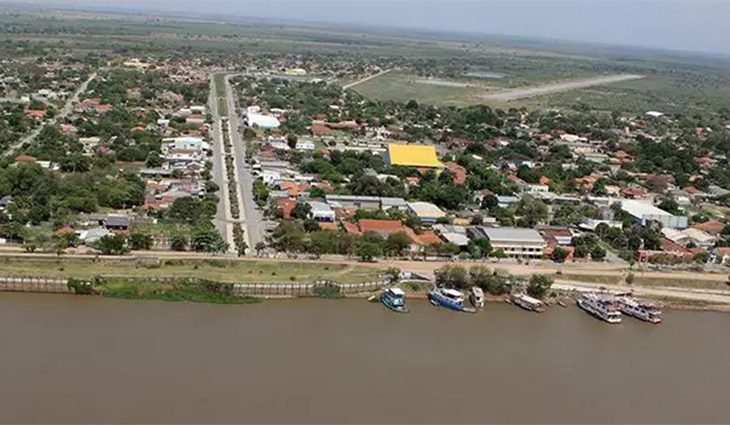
[(713, 227), (25, 158), (35, 113), (458, 172)]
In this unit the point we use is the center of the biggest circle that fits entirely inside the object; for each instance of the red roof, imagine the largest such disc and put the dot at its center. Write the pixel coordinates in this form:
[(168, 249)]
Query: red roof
[(24, 158), (35, 113), (710, 226), (286, 206), (458, 171), (319, 129)]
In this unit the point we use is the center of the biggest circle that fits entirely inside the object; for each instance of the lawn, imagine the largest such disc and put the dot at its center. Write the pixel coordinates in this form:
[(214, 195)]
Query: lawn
[(404, 87), (222, 270)]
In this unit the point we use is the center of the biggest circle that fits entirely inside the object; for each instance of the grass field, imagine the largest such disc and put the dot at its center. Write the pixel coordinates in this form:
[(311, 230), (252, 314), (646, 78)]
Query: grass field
[(219, 270), (404, 87)]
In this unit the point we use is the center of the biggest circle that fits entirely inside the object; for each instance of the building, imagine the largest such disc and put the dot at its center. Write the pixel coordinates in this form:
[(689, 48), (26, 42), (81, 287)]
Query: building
[(426, 211), (644, 213), (689, 236), (453, 234), (304, 146), (515, 242), (421, 156), (261, 120), (370, 203), (320, 211)]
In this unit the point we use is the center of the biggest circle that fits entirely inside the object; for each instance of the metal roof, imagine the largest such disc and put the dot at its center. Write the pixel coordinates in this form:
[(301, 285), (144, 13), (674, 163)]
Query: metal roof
[(413, 156), (517, 234)]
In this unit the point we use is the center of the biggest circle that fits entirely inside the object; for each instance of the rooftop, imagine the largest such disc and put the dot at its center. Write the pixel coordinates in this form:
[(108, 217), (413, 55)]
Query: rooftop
[(521, 234), (413, 156)]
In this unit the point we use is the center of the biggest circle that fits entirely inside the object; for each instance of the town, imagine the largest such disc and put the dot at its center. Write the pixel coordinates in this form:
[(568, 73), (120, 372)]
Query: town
[(292, 157)]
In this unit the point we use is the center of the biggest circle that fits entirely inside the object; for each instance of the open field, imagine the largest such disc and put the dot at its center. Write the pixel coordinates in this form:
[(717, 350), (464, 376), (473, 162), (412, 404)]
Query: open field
[(218, 269), (400, 86)]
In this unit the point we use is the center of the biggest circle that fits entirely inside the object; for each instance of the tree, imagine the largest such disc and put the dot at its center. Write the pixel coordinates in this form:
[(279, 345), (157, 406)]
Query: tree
[(452, 276), (207, 239), (191, 210), (532, 211), (288, 236), (539, 285), (311, 225), (301, 210), (291, 140), (369, 251), (140, 241), (397, 243), (598, 253), (559, 254), (701, 257), (669, 205), (179, 242), (111, 245)]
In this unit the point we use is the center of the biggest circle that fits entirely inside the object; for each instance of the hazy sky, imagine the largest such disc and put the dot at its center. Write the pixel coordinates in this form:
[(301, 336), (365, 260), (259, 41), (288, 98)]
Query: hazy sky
[(694, 25)]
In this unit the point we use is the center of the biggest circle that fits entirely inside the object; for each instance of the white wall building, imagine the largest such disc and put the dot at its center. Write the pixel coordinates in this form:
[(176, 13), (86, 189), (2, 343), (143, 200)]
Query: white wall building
[(645, 212)]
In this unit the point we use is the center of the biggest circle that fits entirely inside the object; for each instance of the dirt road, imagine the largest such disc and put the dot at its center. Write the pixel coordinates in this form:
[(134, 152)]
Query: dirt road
[(525, 92)]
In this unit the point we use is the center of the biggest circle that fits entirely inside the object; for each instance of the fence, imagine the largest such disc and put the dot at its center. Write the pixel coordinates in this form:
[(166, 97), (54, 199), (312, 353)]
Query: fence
[(290, 289), (303, 289), (33, 284)]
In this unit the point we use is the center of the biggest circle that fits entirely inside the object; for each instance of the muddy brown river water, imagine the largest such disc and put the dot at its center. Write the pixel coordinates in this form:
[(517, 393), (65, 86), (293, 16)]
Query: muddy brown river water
[(76, 359)]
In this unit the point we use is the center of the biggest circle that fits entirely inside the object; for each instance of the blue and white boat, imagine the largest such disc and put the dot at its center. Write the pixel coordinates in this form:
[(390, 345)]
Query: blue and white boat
[(394, 299), (449, 298)]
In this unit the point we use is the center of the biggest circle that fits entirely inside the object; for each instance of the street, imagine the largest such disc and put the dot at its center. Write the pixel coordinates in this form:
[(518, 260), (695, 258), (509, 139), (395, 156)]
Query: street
[(67, 108), (251, 216), (223, 217)]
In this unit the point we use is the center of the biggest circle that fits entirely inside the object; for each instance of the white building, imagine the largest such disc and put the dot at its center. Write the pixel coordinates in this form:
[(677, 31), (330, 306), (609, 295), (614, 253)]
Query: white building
[(305, 146), (320, 211), (270, 177), (261, 120), (426, 211), (515, 242), (645, 212)]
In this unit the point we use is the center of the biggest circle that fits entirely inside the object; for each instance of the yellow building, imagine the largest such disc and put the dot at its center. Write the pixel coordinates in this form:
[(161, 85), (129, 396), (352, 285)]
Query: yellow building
[(295, 71), (421, 156)]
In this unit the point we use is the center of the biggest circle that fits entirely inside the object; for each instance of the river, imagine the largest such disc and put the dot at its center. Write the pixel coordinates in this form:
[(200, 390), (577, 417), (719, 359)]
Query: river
[(84, 359)]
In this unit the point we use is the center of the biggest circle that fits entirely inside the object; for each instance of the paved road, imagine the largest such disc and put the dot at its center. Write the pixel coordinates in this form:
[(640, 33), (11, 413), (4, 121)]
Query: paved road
[(250, 214), (67, 108), (223, 217), (354, 83), (525, 92)]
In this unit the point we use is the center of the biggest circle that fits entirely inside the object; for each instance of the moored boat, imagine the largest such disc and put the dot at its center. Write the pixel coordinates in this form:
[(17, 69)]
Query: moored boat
[(528, 303), (599, 306), (476, 297), (394, 299), (448, 298), (647, 312)]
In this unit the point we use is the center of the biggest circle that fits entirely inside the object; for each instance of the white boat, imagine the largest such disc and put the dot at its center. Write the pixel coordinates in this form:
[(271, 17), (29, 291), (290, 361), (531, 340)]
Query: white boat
[(476, 297), (647, 312), (528, 303), (600, 306), (449, 298)]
